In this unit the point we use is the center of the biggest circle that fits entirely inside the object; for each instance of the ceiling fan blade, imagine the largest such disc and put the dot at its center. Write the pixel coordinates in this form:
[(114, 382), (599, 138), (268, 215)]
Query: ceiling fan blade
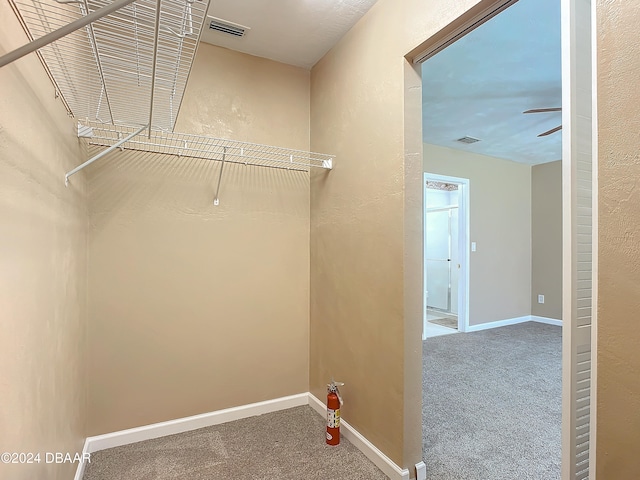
[(549, 132), (544, 110)]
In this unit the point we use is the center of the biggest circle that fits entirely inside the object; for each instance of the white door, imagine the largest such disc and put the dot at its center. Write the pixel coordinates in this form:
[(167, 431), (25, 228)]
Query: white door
[(455, 259), (438, 259)]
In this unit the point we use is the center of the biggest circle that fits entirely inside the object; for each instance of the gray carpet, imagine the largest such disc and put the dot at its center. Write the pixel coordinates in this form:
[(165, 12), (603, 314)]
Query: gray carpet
[(492, 404), (286, 445)]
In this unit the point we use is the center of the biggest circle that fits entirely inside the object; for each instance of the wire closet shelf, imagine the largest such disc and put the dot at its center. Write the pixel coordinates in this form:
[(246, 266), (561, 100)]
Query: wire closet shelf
[(129, 67), (205, 147), (123, 65)]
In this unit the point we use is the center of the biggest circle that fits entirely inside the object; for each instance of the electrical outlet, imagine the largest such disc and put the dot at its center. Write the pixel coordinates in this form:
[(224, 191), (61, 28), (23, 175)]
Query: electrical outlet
[(540, 298)]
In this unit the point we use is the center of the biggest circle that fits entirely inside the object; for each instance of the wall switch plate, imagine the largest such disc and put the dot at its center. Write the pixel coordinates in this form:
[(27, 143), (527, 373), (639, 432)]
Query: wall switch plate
[(540, 298), (473, 246)]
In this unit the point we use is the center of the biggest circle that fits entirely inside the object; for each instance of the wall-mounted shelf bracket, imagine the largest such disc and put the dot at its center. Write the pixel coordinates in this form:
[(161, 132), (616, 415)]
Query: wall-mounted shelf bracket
[(84, 131), (120, 142), (216, 201)]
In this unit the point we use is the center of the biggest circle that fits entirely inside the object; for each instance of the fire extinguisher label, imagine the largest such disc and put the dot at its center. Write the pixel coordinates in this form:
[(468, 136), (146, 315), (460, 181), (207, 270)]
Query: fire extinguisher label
[(333, 418)]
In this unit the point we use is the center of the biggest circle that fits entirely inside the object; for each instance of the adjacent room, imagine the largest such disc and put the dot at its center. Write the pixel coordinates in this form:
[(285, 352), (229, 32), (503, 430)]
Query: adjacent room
[(493, 249)]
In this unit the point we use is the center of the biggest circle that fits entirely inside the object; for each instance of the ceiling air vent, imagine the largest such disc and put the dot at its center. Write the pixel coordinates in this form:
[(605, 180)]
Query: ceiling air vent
[(468, 140), (228, 28)]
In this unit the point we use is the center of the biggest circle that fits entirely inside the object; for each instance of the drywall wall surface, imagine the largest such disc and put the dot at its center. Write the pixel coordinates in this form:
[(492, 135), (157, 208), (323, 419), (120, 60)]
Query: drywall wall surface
[(618, 387), (43, 245), (197, 307), (366, 225), (546, 239), (242, 97), (500, 224)]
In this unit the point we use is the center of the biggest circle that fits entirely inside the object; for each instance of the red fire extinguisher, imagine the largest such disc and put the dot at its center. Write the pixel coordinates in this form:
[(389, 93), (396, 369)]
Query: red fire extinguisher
[(334, 401)]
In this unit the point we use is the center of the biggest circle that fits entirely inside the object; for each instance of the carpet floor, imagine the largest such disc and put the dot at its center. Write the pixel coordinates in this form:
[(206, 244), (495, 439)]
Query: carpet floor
[(492, 404), (285, 445)]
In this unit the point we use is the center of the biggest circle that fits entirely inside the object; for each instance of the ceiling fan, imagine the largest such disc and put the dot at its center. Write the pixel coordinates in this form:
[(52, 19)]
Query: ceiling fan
[(545, 110)]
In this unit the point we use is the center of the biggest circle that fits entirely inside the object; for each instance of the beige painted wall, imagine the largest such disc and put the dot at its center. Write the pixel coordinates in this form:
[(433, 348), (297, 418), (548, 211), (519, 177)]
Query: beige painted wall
[(43, 235), (618, 390), (196, 308), (365, 222), (546, 239), (500, 224)]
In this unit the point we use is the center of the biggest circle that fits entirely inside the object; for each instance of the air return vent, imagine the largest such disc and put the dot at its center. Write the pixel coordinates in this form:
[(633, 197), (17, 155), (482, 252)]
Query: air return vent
[(468, 140), (228, 28)]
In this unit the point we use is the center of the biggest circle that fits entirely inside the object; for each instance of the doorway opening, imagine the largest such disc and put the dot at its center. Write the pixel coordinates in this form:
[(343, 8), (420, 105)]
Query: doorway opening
[(446, 267), (492, 114), (579, 235)]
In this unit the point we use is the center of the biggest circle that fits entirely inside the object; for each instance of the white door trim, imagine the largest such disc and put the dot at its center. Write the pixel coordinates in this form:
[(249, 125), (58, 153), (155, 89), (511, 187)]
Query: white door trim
[(463, 248), (594, 254), (580, 195)]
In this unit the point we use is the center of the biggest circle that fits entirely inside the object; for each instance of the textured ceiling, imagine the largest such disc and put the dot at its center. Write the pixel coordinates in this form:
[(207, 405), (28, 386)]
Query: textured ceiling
[(480, 85), (297, 32)]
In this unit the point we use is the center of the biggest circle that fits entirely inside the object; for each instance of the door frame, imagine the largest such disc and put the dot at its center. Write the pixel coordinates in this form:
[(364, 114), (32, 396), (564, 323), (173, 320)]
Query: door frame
[(580, 237), (579, 46), (463, 248)]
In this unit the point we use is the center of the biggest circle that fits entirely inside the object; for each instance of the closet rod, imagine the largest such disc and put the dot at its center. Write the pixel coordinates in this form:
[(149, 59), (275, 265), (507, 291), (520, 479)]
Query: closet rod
[(61, 32), (103, 153)]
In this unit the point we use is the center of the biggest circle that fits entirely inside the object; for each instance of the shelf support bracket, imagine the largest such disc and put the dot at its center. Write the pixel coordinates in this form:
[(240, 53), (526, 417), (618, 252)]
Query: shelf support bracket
[(96, 55), (154, 63), (103, 153), (61, 32), (216, 201)]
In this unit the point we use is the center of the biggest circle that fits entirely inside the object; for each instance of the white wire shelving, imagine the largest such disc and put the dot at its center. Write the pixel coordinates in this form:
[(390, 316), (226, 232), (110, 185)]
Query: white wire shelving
[(197, 146), (205, 147), (122, 66), (129, 67)]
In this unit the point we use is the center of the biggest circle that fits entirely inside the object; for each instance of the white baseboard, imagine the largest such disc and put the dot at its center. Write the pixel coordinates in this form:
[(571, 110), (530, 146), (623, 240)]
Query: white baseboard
[(156, 430), (513, 321), (549, 321), (186, 424), (499, 323), (384, 463)]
